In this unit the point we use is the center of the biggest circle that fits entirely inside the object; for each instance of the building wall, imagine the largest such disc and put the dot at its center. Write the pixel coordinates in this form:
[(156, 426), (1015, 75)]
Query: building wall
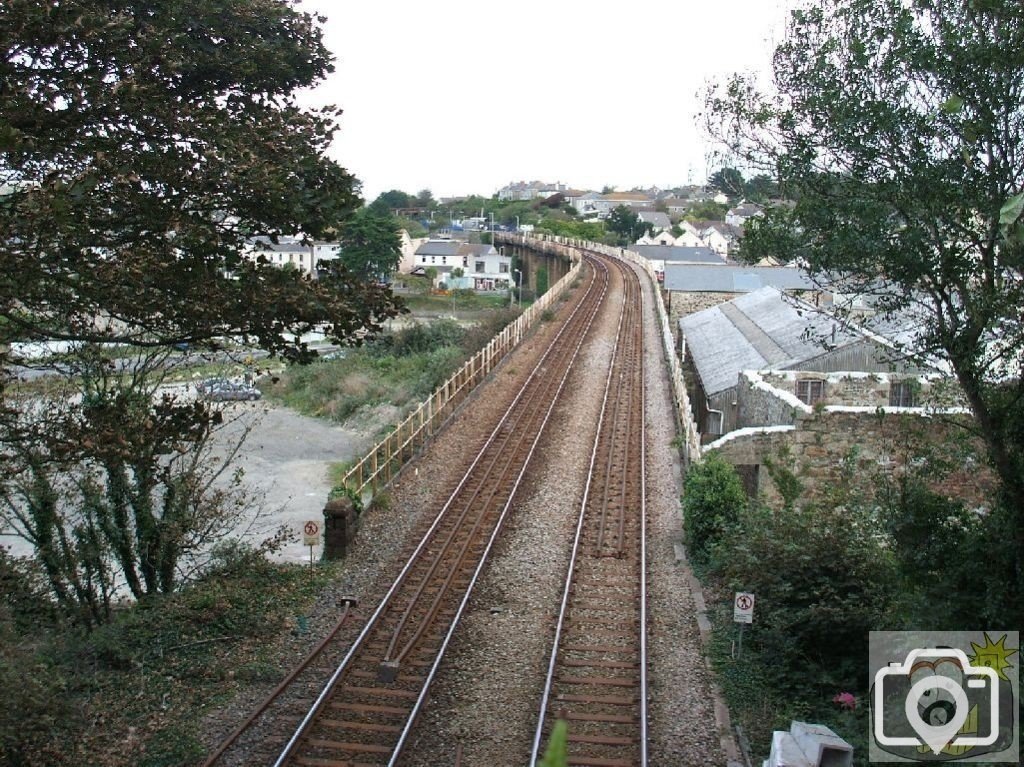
[(824, 445)]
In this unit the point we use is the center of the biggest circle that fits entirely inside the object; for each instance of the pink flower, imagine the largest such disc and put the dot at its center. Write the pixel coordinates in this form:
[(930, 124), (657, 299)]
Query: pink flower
[(845, 700)]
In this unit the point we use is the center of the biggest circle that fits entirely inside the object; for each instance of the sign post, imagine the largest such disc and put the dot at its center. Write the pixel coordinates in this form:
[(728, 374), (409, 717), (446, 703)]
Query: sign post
[(311, 537), (742, 613)]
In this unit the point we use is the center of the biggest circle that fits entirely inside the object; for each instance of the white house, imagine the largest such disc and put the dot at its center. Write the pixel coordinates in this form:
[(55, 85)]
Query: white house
[(739, 215), (655, 218), (689, 239), (661, 238), (715, 240), (483, 267), (290, 251)]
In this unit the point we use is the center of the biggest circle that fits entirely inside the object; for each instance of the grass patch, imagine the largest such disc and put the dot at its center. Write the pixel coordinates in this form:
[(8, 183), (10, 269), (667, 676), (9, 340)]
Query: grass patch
[(133, 692)]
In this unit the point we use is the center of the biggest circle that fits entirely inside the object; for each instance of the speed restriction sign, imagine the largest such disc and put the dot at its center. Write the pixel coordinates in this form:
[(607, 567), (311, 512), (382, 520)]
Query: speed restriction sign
[(311, 533)]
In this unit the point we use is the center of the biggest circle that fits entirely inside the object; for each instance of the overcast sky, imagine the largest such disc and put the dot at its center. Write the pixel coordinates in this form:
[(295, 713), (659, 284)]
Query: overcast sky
[(462, 97)]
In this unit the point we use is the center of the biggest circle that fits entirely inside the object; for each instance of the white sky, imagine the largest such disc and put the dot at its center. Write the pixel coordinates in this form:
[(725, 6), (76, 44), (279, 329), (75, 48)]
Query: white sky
[(462, 97)]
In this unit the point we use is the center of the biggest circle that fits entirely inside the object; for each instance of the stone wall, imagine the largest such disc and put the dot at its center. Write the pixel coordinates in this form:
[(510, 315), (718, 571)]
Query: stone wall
[(865, 389), (682, 304), (825, 445)]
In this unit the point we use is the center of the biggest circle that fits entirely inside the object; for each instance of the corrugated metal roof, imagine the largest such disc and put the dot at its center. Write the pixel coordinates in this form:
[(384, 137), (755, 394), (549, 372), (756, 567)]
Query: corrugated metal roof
[(756, 331), (730, 278)]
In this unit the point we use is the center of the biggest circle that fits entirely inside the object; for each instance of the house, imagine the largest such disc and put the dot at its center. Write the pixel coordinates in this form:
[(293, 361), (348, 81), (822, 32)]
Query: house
[(523, 190), (483, 267), (586, 204), (659, 221), (767, 330), (661, 238), (677, 254), (605, 203), (688, 239), (291, 252), (676, 206), (739, 215)]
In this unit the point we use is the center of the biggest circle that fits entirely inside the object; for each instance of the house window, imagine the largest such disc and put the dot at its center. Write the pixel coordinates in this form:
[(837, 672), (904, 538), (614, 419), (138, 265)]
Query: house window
[(901, 394), (465, 261), (810, 392), (433, 259), (444, 259), (503, 268), (480, 266)]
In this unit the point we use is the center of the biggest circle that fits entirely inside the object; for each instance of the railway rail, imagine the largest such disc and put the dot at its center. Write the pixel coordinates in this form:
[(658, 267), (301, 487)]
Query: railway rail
[(365, 712), (597, 673)]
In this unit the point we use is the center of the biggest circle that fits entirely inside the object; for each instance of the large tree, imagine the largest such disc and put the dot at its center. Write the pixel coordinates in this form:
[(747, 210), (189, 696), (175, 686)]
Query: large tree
[(141, 143), (897, 129), (370, 247)]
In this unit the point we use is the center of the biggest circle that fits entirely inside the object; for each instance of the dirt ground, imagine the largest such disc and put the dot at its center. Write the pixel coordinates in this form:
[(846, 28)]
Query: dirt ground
[(285, 460)]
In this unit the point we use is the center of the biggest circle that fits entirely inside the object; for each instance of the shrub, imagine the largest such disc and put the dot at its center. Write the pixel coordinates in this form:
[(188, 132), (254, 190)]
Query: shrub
[(823, 579), (713, 499)]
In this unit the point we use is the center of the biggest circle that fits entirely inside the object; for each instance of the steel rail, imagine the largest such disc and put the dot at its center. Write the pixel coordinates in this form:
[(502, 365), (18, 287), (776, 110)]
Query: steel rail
[(490, 543), (281, 687), (633, 292), (357, 645)]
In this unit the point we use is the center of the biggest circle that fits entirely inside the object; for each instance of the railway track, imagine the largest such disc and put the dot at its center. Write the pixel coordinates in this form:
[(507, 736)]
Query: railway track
[(365, 712), (597, 673)]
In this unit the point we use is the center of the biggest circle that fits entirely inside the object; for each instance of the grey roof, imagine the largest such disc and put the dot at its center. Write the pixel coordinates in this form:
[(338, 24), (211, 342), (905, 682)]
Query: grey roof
[(758, 330), (732, 278), (655, 217), (439, 248), (283, 245), (678, 254)]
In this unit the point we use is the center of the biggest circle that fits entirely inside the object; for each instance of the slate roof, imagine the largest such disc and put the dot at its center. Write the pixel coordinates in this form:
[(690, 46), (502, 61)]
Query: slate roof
[(439, 248), (655, 217), (283, 245), (756, 331), (732, 278), (677, 254)]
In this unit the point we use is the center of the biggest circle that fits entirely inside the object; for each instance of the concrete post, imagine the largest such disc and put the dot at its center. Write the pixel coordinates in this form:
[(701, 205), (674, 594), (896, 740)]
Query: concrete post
[(339, 528)]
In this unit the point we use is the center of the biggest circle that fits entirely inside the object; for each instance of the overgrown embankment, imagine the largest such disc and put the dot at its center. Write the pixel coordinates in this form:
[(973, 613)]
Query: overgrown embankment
[(874, 552), (398, 370)]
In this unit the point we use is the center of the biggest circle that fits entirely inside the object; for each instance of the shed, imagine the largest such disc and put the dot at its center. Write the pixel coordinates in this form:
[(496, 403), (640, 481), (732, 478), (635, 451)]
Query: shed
[(767, 330)]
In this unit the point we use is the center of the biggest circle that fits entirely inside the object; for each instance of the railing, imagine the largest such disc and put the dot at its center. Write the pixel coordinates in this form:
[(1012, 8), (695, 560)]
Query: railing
[(387, 458), (681, 399)]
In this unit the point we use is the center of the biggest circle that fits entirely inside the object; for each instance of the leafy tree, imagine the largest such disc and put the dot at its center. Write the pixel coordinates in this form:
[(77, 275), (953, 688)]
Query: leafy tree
[(626, 223), (713, 499), (728, 181), (141, 144), (707, 210), (370, 247), (389, 201), (425, 199), (897, 128)]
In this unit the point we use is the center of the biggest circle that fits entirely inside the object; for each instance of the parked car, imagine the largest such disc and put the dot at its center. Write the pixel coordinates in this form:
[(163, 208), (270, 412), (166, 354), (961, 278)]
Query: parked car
[(228, 391)]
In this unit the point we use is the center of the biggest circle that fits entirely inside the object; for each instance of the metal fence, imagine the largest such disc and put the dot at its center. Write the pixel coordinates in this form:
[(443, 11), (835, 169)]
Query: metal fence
[(385, 459)]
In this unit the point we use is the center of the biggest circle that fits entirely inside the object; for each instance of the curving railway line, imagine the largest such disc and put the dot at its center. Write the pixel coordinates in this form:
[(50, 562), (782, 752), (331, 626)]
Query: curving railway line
[(597, 674), (365, 712)]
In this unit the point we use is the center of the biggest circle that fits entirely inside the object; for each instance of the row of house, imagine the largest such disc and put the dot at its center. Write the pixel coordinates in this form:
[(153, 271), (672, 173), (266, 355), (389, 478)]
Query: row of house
[(480, 267)]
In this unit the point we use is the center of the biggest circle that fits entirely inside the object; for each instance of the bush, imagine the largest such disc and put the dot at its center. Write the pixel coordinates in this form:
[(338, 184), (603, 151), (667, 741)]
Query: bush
[(823, 577), (713, 499)]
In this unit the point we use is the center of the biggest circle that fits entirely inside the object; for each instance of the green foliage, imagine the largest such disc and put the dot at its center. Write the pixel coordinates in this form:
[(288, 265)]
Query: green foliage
[(542, 281), (370, 247), (904, 166), (624, 222), (713, 500), (592, 231), (151, 671), (823, 579), (557, 752), (706, 210)]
